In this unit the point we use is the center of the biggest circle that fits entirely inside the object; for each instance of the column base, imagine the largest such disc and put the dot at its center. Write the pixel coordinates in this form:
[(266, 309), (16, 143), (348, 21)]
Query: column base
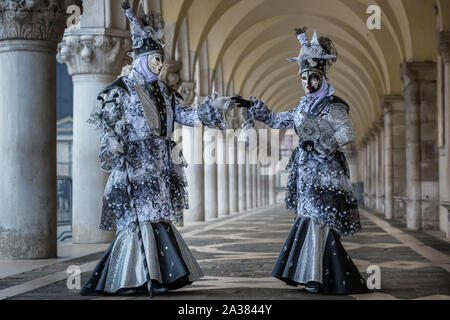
[(88, 233), (20, 245)]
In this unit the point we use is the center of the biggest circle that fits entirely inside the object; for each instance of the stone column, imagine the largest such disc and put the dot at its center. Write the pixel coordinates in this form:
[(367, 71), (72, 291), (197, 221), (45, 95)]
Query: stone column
[(264, 194), (94, 58), (444, 159), (263, 188), (210, 174), (242, 203), (373, 158), (233, 185), (389, 172), (394, 154), (353, 164), (379, 169), (272, 188), (223, 205), (248, 182), (367, 173), (29, 33), (267, 187), (255, 186), (259, 186), (419, 90), (376, 164), (193, 151), (363, 170)]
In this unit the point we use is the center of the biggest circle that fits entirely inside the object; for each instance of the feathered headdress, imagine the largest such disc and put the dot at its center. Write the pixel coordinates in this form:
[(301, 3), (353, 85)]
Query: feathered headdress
[(147, 31), (315, 55)]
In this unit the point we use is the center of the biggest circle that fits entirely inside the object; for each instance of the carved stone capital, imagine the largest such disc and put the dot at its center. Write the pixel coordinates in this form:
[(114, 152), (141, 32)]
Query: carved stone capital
[(171, 73), (378, 125), (34, 19), (350, 150), (444, 46), (187, 91), (413, 72), (392, 103), (87, 51)]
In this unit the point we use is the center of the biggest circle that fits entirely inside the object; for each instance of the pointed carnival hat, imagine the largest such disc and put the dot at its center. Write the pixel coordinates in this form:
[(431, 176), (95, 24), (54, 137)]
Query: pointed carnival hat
[(315, 55), (147, 31)]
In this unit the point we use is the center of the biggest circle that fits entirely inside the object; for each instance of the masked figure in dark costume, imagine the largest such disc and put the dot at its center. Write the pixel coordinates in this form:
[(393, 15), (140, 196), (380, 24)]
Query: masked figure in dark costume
[(146, 189), (319, 189)]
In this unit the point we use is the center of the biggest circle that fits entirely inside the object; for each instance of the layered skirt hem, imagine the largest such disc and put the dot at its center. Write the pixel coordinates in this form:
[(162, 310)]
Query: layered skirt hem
[(314, 253), (169, 260)]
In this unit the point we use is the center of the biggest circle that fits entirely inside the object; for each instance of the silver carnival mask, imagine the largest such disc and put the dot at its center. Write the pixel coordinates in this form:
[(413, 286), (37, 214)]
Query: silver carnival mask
[(311, 81), (155, 62)]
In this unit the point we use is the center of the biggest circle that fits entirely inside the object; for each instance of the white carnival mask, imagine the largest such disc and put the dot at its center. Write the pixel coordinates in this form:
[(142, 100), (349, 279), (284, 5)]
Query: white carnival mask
[(155, 62)]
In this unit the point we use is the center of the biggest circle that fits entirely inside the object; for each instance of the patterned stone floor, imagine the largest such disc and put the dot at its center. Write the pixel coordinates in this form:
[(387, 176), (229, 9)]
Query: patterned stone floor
[(236, 254)]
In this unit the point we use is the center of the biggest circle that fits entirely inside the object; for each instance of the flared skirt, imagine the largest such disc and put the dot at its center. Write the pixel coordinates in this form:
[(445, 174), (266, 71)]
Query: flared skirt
[(313, 252), (170, 262)]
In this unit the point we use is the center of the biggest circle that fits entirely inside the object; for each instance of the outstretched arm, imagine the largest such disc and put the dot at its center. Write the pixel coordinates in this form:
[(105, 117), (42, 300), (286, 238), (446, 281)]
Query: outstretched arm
[(209, 113), (258, 110)]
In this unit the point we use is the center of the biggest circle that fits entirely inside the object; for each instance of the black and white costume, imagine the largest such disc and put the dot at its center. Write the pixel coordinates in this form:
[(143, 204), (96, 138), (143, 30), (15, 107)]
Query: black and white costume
[(319, 189), (146, 189)]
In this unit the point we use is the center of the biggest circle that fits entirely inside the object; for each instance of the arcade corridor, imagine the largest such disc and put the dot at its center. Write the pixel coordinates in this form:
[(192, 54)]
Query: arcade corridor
[(394, 78)]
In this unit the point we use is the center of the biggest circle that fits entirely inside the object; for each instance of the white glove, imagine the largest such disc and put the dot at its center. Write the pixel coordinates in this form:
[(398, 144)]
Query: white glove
[(222, 103), (115, 146)]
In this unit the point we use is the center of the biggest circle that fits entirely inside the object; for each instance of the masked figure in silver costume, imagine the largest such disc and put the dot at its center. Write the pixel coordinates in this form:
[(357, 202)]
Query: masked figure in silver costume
[(146, 189), (319, 189)]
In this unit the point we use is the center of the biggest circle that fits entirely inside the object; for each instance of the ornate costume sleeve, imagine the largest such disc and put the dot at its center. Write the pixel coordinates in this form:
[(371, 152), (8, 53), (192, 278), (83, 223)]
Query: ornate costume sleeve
[(275, 120), (110, 122), (336, 129), (209, 113), (186, 115)]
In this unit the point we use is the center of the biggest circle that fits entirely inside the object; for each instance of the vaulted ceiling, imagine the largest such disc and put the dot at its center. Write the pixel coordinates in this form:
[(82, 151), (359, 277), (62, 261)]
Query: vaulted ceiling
[(249, 41)]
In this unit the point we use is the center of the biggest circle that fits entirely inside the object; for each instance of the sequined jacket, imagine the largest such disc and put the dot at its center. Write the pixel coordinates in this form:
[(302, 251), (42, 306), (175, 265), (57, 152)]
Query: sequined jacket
[(319, 182), (146, 169)]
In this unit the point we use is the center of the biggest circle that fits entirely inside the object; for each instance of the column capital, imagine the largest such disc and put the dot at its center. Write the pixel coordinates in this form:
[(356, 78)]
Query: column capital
[(368, 136), (171, 72), (378, 125), (391, 103), (417, 71), (187, 91), (444, 46), (350, 150), (94, 50), (34, 19)]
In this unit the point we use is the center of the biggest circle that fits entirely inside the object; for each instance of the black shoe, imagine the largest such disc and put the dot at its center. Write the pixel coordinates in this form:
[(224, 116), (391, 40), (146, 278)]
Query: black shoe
[(126, 292), (159, 290), (313, 287)]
